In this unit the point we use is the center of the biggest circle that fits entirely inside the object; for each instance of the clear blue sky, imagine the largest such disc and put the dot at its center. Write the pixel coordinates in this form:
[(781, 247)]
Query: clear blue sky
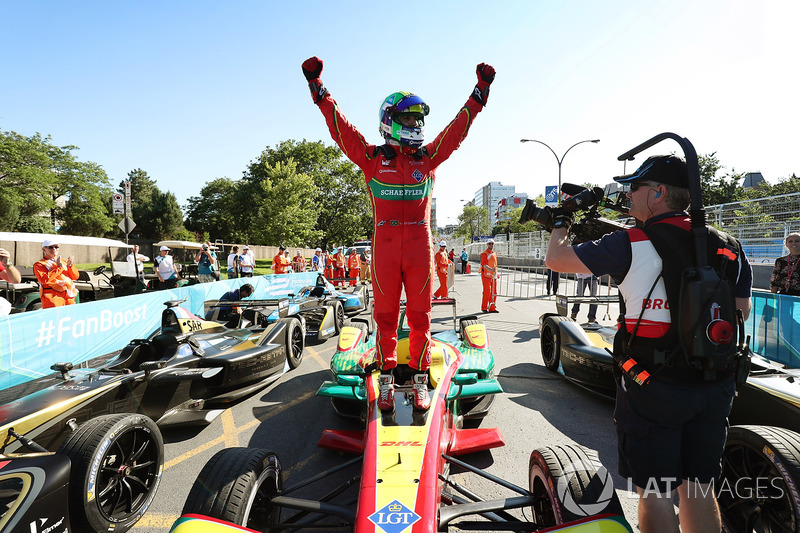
[(191, 91)]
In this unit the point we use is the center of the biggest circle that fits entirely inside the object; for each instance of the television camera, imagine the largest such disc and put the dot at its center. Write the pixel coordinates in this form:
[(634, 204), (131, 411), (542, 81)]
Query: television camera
[(585, 205)]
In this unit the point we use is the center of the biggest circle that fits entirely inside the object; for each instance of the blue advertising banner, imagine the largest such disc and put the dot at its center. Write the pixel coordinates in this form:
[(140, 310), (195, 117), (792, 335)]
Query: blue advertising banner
[(551, 195), (774, 327), (31, 342)]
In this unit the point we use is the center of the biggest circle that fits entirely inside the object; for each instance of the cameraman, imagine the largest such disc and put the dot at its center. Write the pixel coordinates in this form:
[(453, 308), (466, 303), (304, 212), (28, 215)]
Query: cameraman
[(670, 430), (205, 259)]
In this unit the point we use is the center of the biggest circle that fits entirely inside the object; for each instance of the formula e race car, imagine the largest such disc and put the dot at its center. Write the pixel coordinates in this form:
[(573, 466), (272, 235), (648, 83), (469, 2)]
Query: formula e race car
[(405, 457), (187, 372), (753, 453), (323, 308), (466, 335)]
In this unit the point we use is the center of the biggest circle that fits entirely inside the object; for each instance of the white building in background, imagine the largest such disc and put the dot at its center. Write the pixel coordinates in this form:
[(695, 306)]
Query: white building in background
[(490, 195), (505, 205)]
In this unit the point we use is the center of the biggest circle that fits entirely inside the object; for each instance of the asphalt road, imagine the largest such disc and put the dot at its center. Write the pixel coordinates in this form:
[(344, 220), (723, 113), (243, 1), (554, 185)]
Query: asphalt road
[(538, 409)]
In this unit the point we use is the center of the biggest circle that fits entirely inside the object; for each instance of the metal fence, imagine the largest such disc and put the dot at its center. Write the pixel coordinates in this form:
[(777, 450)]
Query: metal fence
[(761, 225)]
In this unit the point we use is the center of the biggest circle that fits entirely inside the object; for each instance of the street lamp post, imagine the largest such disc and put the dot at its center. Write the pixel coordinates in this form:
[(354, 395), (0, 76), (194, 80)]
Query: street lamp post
[(561, 160)]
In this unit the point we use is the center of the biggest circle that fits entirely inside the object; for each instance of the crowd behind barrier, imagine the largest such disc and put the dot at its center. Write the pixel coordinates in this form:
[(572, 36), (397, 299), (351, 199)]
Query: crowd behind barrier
[(31, 342)]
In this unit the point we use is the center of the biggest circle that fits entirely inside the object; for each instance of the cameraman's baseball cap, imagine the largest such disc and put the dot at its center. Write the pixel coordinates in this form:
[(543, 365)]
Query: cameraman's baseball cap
[(164, 249), (666, 169)]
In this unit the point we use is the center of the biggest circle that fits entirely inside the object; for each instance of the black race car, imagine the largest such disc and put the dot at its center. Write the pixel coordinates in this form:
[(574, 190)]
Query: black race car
[(186, 372)]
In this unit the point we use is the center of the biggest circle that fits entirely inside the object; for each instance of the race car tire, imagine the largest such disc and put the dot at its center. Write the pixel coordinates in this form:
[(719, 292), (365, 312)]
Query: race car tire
[(295, 342), (569, 483), (758, 489), (551, 341), (237, 485), (117, 461), (338, 316)]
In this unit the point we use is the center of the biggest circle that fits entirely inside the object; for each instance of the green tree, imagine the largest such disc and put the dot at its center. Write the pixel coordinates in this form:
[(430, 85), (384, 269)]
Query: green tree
[(718, 187), (473, 222), (278, 203), (341, 200), (86, 212), (216, 211), (35, 174)]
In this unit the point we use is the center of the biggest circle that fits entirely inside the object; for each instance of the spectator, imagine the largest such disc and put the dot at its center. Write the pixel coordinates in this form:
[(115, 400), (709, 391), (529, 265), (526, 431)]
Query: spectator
[(233, 263), (165, 269), (235, 295), (8, 272), (354, 266), (442, 266), (318, 261), (56, 276), (206, 259), (280, 263), (585, 280), (452, 255), (785, 277), (489, 278), (299, 262), (464, 260), (366, 265), (551, 280), (246, 263), (136, 261)]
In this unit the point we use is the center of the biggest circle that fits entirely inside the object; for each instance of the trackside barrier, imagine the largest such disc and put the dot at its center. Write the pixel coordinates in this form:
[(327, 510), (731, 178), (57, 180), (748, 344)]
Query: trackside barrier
[(774, 327), (31, 342)]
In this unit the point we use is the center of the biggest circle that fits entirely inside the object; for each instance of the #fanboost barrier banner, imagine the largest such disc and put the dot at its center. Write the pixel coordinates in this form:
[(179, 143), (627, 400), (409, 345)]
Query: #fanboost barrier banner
[(31, 342)]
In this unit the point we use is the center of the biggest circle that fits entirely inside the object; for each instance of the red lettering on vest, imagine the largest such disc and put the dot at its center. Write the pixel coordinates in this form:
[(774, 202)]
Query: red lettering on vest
[(657, 303)]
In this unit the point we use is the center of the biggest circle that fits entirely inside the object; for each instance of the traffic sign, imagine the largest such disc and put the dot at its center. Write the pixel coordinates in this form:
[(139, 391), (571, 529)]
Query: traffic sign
[(127, 224), (117, 203)]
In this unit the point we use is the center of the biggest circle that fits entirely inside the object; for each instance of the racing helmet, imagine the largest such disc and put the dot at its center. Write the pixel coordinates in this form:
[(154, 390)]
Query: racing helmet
[(401, 104)]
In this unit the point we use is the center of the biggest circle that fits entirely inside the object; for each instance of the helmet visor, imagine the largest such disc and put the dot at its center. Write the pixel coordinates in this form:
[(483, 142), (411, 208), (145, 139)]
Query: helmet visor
[(412, 103)]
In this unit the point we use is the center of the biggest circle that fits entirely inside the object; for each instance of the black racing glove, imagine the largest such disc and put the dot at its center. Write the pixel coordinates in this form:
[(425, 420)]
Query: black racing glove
[(312, 68), (485, 78)]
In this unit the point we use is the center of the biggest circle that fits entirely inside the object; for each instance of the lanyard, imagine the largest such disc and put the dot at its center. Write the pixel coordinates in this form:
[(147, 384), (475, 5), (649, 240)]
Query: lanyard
[(790, 267)]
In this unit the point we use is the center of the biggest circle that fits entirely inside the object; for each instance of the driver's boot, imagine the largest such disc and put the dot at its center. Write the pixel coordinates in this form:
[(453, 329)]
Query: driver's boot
[(422, 400), (386, 392)]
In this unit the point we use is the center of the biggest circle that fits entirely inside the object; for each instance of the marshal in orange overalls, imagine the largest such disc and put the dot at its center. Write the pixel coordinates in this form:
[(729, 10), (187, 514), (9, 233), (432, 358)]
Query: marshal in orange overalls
[(354, 266), (489, 278), (56, 282), (442, 263)]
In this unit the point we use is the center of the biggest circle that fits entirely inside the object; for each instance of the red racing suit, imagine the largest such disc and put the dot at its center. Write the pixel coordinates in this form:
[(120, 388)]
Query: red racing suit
[(400, 182)]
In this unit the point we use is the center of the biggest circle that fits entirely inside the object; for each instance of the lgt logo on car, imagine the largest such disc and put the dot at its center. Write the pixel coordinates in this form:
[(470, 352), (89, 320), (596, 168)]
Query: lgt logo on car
[(581, 469), (394, 518)]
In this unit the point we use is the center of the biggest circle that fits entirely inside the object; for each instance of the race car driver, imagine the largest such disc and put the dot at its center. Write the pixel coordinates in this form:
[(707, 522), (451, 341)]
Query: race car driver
[(400, 178)]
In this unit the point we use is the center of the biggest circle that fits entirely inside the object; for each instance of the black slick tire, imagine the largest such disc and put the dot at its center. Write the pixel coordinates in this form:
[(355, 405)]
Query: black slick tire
[(117, 461), (295, 342), (551, 341), (758, 489), (569, 483), (237, 485)]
